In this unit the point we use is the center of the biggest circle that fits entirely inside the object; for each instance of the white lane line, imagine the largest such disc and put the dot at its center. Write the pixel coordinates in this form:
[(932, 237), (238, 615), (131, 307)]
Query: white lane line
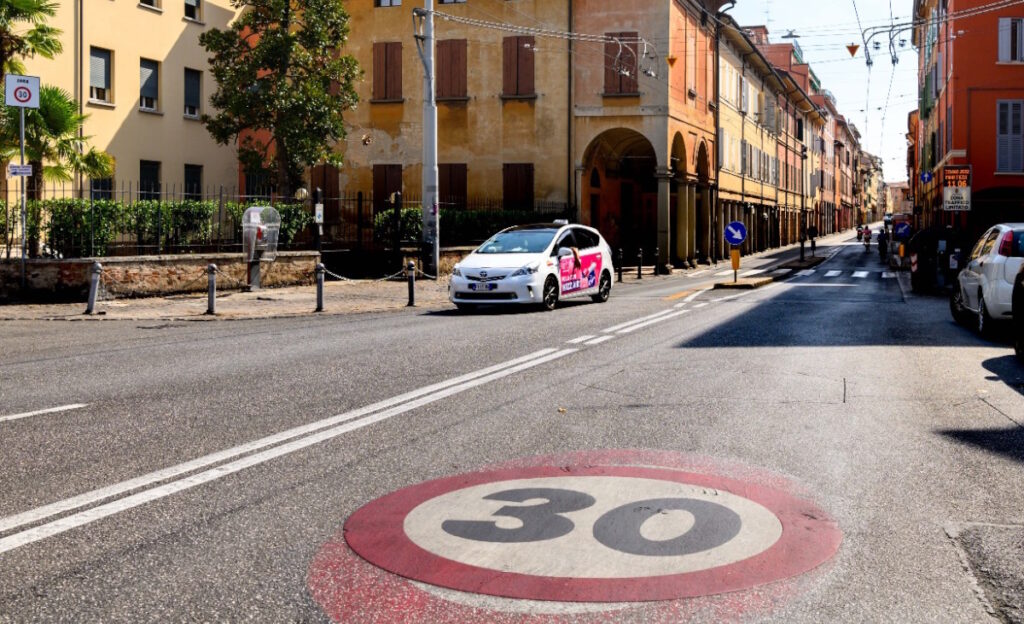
[(690, 298), (696, 273), (653, 321), (108, 509), (833, 274), (94, 496), (782, 272), (888, 275), (723, 273), (52, 410), (579, 340), (700, 305), (860, 274), (599, 340), (752, 272), (615, 328), (805, 272)]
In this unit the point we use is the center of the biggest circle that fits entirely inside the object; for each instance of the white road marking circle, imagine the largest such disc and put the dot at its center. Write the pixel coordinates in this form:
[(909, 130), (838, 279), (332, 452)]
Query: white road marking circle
[(578, 553)]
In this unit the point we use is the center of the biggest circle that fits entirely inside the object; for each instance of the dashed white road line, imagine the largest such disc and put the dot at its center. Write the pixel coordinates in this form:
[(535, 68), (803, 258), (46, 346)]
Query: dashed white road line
[(659, 319), (860, 274), (599, 340), (833, 274), (579, 340), (51, 410), (615, 328)]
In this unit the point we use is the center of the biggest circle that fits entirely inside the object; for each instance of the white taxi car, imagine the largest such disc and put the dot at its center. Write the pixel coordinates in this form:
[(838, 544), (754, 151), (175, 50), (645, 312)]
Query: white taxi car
[(538, 264)]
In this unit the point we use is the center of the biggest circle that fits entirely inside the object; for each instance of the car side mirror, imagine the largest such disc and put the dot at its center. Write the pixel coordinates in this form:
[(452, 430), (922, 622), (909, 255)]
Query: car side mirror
[(564, 251)]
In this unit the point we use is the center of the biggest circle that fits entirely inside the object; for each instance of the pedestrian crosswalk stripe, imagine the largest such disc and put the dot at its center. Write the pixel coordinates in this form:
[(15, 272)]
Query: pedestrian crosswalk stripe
[(723, 273), (782, 271), (888, 274), (752, 272), (806, 272), (833, 274), (696, 273), (860, 274)]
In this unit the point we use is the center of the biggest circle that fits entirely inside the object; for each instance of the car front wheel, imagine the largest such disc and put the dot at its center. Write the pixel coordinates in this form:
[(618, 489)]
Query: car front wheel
[(604, 289), (550, 300)]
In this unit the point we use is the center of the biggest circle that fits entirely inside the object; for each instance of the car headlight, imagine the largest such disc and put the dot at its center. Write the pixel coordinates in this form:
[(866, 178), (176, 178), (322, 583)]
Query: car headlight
[(456, 271), (529, 269)]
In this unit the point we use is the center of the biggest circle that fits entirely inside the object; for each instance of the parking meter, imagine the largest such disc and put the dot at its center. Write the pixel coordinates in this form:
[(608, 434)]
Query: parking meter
[(260, 228)]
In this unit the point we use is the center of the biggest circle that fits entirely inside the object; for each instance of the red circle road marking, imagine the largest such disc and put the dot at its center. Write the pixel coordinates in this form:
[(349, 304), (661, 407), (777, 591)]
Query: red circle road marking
[(376, 532)]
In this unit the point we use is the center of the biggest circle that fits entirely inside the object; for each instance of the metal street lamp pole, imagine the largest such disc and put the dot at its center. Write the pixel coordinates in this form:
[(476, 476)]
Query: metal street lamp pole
[(431, 217)]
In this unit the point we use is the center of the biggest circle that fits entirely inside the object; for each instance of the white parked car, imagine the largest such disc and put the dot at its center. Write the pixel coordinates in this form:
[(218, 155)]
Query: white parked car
[(538, 264), (984, 287)]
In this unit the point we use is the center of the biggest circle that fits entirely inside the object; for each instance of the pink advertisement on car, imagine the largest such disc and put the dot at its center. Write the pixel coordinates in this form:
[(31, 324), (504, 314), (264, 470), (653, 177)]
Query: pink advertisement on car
[(579, 272)]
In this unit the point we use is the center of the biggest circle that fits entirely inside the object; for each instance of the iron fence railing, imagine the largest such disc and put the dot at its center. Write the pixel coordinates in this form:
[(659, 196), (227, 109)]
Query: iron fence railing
[(118, 219)]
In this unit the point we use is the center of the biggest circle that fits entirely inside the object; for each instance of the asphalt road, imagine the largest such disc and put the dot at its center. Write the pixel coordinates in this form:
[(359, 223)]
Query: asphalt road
[(210, 463)]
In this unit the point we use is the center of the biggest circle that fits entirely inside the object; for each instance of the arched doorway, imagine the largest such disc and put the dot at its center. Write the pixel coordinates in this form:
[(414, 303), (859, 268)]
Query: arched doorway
[(622, 165), (704, 225)]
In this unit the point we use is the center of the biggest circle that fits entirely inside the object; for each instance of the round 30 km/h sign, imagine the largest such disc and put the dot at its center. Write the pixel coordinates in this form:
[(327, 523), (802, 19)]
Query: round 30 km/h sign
[(596, 532)]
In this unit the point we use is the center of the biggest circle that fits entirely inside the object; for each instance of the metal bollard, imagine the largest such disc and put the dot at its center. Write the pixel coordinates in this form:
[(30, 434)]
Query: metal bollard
[(640, 263), (411, 270), (320, 271), (655, 271), (94, 286), (211, 292), (620, 265)]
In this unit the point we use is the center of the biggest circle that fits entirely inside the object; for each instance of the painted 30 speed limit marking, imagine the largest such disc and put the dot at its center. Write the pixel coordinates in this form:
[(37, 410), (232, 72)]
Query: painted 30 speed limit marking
[(592, 534)]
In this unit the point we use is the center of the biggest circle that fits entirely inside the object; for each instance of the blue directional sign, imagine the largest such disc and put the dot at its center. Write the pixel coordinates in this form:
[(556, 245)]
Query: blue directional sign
[(926, 177), (902, 230), (735, 233)]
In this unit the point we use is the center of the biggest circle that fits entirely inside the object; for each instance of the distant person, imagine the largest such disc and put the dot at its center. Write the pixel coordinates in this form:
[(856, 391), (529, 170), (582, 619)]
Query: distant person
[(812, 232)]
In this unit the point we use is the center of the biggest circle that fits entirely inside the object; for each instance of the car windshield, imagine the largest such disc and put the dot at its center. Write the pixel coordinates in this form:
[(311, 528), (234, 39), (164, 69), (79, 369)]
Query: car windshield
[(518, 241)]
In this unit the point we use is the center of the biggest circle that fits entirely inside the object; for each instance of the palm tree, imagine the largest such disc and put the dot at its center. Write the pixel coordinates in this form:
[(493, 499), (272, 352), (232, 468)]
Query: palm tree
[(25, 33), (52, 144)]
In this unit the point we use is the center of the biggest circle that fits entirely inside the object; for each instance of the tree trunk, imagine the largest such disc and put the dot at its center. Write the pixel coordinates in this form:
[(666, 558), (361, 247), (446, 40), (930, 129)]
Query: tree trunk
[(33, 193)]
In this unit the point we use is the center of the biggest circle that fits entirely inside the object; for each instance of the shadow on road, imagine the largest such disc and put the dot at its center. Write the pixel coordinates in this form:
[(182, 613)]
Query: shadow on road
[(1008, 442)]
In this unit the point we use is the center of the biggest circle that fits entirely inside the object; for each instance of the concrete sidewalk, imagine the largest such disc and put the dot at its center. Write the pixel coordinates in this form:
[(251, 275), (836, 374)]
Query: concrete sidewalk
[(340, 297)]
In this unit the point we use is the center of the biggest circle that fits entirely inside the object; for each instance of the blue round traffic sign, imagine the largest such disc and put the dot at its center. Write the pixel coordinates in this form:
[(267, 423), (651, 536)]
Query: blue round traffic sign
[(735, 233), (902, 230)]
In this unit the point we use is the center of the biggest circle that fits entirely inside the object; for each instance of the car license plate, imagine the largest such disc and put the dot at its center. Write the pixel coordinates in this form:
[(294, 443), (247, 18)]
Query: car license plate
[(483, 287)]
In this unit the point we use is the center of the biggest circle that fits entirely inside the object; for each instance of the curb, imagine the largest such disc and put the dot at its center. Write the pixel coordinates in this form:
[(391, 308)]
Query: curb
[(745, 283)]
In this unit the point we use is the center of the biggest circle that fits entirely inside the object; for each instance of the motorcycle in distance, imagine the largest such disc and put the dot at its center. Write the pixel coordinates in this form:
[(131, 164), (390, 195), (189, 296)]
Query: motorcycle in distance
[(867, 240)]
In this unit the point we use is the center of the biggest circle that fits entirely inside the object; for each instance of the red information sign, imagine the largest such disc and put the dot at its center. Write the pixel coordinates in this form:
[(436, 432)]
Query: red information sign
[(956, 176)]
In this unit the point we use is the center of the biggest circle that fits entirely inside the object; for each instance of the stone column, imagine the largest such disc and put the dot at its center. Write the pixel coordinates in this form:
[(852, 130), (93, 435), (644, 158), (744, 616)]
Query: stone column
[(691, 230), (681, 223), (664, 259)]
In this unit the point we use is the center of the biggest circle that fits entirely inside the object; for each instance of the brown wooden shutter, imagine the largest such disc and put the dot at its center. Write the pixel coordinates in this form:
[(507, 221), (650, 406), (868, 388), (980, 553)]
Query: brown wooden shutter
[(394, 70), (442, 76), (525, 56), (509, 65), (459, 65), (630, 63), (452, 185), (518, 186), (611, 74), (380, 71), (380, 187)]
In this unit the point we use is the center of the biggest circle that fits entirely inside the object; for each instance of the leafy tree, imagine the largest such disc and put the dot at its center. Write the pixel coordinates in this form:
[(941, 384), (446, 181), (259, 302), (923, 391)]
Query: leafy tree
[(282, 85), (24, 33)]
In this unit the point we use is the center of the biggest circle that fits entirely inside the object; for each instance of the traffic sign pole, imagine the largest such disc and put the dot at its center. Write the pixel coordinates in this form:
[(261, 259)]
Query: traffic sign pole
[(24, 216)]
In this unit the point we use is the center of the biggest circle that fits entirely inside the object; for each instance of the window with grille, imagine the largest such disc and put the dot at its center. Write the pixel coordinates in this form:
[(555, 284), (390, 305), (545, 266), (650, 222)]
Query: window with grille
[(149, 179)]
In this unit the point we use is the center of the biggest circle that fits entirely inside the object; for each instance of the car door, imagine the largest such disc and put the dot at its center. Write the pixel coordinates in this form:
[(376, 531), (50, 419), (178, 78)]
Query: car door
[(971, 276), (570, 274), (589, 246)]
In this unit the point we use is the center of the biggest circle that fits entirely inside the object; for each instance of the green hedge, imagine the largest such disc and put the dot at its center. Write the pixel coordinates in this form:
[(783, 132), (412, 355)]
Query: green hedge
[(80, 227)]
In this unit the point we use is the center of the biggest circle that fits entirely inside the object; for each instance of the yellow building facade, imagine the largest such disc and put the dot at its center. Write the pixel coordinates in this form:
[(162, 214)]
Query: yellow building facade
[(140, 75)]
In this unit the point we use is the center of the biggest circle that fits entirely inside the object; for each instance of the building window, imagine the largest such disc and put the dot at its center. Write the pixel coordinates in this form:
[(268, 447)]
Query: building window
[(149, 81), (621, 64), (517, 186), (150, 3), (517, 61), (387, 3), (1010, 137), (193, 80), (387, 71), (451, 68), (102, 188), (193, 10), (149, 179), (1011, 40), (193, 188), (452, 2), (99, 75), (452, 185), (387, 179)]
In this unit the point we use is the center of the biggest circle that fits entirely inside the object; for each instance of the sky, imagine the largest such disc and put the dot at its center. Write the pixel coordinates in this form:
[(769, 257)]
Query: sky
[(863, 97)]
